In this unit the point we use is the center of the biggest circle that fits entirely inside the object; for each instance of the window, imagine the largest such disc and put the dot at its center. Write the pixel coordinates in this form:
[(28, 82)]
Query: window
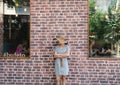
[(104, 28), (16, 29)]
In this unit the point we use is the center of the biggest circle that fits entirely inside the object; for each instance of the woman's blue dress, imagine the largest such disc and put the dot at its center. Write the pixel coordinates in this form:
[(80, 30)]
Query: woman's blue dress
[(64, 69)]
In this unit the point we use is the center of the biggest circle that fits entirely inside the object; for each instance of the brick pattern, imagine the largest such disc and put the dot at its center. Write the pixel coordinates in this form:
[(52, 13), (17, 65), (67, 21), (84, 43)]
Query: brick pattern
[(48, 19)]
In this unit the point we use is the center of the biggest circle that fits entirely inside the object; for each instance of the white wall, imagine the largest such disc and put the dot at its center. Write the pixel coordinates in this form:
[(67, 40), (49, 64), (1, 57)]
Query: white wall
[(1, 7), (16, 10)]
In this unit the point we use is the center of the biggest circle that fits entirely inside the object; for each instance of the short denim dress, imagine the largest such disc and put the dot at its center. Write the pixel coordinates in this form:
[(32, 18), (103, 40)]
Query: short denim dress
[(64, 69)]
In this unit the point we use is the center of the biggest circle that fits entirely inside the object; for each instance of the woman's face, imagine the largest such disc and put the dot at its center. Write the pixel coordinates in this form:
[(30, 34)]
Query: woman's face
[(61, 43)]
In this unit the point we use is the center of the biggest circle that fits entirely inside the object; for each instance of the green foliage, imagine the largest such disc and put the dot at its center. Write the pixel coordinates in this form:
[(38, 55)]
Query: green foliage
[(92, 4), (97, 21), (113, 25), (102, 28), (98, 25)]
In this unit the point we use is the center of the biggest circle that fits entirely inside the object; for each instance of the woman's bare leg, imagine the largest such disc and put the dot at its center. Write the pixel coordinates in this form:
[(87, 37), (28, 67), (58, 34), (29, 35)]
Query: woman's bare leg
[(57, 80), (63, 80)]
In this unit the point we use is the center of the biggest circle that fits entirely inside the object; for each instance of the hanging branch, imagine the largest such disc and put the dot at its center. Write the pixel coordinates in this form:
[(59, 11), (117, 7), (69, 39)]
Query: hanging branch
[(12, 3)]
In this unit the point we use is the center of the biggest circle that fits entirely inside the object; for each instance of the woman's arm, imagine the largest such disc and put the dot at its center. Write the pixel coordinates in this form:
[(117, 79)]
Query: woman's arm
[(57, 55), (62, 55), (65, 55)]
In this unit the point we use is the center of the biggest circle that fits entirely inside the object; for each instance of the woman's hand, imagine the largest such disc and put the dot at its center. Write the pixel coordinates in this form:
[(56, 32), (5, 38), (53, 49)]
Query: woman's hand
[(58, 56), (62, 55), (65, 55)]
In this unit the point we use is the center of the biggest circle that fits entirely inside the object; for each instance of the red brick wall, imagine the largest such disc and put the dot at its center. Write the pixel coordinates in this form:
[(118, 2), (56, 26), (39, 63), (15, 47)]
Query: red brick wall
[(48, 19)]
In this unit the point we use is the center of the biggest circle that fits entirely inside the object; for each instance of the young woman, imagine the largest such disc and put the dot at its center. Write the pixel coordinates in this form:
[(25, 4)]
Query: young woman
[(61, 52)]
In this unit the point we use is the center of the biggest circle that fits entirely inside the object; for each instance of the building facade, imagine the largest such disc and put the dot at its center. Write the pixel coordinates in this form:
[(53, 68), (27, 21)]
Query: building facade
[(48, 19)]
